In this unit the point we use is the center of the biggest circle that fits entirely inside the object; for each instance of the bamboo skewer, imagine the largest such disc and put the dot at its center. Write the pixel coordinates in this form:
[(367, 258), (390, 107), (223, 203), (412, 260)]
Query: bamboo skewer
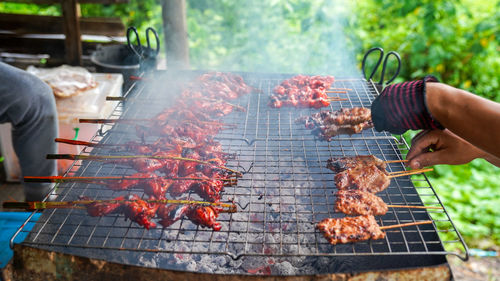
[(338, 92), (340, 89), (408, 173), (111, 157), (60, 179), (395, 161), (405, 224), (111, 98), (415, 207), (133, 121), (336, 99), (85, 143), (39, 205)]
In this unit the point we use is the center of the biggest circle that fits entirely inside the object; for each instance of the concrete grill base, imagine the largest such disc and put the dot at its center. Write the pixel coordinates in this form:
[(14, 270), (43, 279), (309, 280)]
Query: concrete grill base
[(37, 264)]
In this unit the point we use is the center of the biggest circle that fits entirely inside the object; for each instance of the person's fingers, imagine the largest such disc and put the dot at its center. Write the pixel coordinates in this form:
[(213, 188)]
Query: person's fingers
[(428, 159), (419, 135), (421, 145)]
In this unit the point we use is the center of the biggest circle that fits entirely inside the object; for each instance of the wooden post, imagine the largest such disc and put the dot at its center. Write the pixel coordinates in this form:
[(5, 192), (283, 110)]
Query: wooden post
[(175, 31), (73, 42)]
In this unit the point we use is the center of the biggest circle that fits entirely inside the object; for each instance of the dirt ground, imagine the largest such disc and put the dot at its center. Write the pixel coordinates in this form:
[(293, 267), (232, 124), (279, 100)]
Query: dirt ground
[(480, 269)]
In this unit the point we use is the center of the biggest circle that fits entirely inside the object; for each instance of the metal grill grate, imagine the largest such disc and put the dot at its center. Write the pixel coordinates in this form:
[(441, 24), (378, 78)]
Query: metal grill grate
[(286, 188)]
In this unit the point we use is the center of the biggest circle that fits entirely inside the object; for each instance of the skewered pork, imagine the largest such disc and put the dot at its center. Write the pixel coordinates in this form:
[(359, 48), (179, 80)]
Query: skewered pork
[(327, 124), (209, 189), (151, 183), (365, 178), (133, 207), (356, 202), (205, 216), (350, 229), (339, 164), (302, 91), (330, 131), (343, 116)]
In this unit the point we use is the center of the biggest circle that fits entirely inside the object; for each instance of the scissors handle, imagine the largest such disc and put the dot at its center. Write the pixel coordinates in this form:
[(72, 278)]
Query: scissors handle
[(363, 64), (396, 55), (137, 50), (152, 30)]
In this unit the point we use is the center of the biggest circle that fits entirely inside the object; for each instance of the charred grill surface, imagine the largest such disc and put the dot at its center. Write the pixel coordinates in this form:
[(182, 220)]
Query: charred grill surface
[(285, 188)]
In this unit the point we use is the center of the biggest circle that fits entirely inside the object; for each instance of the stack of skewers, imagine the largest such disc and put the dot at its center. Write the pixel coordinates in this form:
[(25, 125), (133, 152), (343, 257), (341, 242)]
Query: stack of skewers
[(357, 179), (183, 161)]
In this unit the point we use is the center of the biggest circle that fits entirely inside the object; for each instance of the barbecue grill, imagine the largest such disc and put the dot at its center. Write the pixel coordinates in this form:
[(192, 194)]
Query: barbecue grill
[(285, 190)]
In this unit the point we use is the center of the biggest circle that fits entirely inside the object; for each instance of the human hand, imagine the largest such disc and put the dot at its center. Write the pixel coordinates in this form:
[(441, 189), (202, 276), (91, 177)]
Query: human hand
[(402, 106), (432, 147)]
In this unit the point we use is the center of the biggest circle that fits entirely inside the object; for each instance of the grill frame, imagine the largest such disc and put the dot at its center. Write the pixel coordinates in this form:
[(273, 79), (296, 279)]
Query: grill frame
[(259, 139)]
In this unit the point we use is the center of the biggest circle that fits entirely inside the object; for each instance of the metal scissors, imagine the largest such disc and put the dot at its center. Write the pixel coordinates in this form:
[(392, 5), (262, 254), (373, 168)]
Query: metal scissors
[(380, 85), (144, 52)]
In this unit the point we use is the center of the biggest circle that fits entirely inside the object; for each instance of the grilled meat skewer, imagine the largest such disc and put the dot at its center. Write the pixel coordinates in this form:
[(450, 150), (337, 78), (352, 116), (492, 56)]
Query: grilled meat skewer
[(365, 178), (357, 202), (302, 91), (205, 216), (350, 229), (327, 124), (339, 164), (355, 229)]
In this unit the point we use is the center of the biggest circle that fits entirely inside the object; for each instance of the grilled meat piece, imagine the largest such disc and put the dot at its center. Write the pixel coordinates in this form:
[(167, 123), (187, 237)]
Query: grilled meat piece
[(140, 211), (170, 213), (133, 207), (302, 91), (356, 202), (330, 131), (365, 178), (152, 184), (98, 209), (350, 229), (149, 164), (208, 189), (205, 216), (339, 164), (343, 116), (346, 121)]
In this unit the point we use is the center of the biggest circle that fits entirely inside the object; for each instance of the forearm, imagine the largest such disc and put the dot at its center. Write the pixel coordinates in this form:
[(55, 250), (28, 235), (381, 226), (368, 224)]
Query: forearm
[(471, 117)]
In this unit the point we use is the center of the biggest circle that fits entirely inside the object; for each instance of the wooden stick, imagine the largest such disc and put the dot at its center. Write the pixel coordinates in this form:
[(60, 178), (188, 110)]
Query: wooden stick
[(60, 179), (414, 207), (405, 224), (111, 98), (411, 172), (341, 89), (395, 161), (106, 121), (39, 205), (134, 121), (111, 157), (336, 99), (339, 92)]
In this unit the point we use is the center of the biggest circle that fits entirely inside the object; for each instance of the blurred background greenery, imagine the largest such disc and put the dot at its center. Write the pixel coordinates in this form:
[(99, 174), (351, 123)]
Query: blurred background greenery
[(455, 40)]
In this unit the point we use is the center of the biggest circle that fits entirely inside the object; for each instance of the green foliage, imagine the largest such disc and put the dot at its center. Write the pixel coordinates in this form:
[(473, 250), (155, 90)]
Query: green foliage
[(30, 9), (454, 40)]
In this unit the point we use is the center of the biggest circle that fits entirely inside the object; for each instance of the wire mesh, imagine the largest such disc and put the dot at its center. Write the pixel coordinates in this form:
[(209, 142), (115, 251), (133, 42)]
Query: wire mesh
[(285, 190)]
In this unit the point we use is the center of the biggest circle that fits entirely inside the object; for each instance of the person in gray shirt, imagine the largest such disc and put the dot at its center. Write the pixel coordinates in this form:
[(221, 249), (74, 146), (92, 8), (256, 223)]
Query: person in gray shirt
[(29, 105)]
